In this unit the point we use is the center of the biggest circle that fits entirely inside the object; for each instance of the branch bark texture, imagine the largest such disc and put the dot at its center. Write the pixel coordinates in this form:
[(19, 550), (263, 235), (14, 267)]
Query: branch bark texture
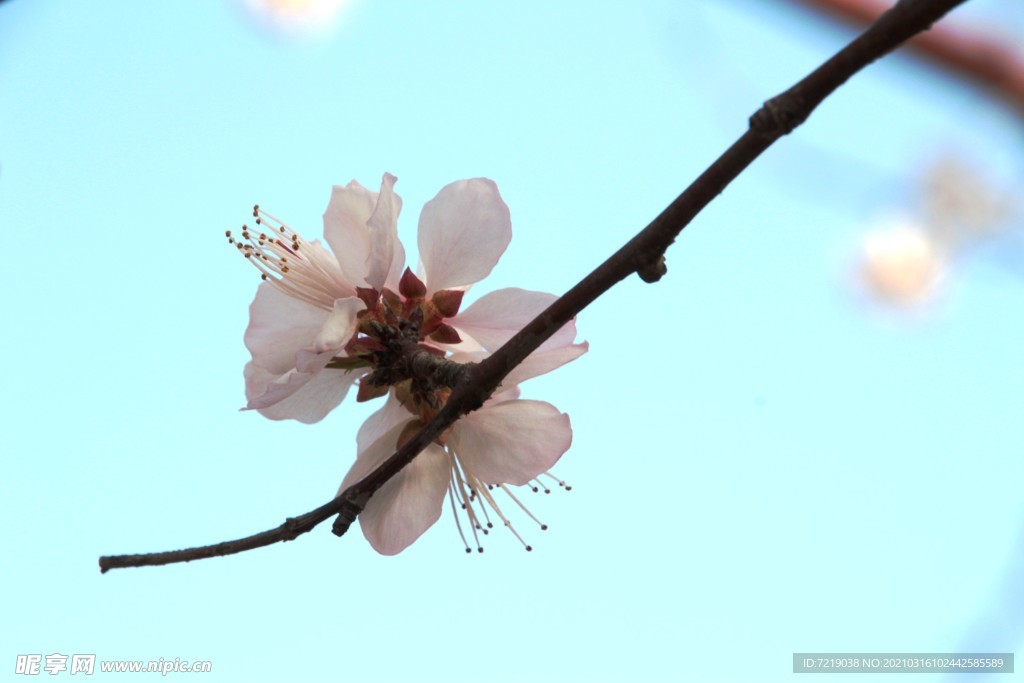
[(644, 254)]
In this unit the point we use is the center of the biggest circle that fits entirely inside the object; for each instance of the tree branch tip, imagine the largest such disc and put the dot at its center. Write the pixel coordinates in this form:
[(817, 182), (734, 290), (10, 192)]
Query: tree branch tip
[(342, 523)]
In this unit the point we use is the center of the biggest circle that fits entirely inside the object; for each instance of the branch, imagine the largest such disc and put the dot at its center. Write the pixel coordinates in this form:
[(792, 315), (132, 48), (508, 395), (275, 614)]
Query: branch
[(974, 55), (292, 528), (644, 254)]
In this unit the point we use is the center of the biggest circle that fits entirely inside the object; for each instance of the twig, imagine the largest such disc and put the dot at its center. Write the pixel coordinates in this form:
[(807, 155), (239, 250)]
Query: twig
[(292, 528), (974, 55), (644, 254)]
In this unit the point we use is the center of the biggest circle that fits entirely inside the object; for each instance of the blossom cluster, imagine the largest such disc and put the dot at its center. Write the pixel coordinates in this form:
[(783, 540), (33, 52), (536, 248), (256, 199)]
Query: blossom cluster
[(325, 320), (909, 255)]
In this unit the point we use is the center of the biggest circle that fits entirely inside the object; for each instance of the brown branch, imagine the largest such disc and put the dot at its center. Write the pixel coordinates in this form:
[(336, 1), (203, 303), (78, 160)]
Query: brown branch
[(292, 528), (644, 254), (974, 55)]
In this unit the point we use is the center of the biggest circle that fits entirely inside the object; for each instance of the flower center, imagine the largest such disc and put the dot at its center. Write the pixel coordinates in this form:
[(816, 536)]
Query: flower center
[(301, 269), (393, 338)]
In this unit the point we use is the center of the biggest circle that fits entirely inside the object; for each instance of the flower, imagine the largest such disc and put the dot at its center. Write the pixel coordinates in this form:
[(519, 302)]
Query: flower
[(903, 263), (297, 18), (507, 442), (322, 322)]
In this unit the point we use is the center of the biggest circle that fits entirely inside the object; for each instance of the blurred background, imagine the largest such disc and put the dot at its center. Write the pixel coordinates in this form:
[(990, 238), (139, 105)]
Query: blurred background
[(806, 438)]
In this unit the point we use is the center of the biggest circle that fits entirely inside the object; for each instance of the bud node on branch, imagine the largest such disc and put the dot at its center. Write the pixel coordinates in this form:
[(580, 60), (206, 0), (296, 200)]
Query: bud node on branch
[(779, 116), (653, 271), (352, 503)]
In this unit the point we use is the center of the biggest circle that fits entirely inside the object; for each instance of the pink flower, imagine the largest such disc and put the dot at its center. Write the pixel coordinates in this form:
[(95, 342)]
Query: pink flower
[(306, 311), (903, 262), (321, 323), (507, 442)]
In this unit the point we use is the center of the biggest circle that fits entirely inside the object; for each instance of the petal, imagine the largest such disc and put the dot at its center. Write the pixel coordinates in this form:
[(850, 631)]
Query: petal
[(340, 325), (386, 252), (279, 325), (503, 395), (409, 503), (541, 362), (468, 345), (493, 318), (381, 422), (511, 442), (303, 396), (463, 231), (345, 228)]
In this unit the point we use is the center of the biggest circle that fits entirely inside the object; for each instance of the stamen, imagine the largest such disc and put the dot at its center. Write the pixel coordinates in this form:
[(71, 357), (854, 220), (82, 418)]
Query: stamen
[(458, 525), (466, 499), (497, 510), (466, 489), (560, 482), (314, 276), (542, 525)]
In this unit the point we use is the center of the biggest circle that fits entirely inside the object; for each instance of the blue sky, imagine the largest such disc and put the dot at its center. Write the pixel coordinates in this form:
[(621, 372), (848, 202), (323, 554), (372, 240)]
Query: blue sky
[(762, 464)]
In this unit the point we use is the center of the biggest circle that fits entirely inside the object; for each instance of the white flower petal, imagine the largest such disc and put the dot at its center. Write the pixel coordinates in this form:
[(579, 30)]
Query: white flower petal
[(493, 318), (463, 231), (381, 422), (511, 442), (279, 325), (346, 231), (502, 395), (312, 362), (386, 253), (468, 345), (340, 325), (409, 503), (303, 396), (537, 363), (541, 362)]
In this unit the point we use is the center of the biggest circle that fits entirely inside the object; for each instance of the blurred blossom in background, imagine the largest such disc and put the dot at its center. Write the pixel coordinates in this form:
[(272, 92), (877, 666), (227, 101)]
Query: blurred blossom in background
[(298, 19), (907, 258), (902, 262)]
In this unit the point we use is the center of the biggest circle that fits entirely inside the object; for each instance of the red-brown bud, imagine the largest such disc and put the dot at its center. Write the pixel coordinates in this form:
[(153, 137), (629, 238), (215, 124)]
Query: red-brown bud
[(410, 286), (393, 301), (447, 301), (362, 344), (369, 296), (368, 390), (446, 334)]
